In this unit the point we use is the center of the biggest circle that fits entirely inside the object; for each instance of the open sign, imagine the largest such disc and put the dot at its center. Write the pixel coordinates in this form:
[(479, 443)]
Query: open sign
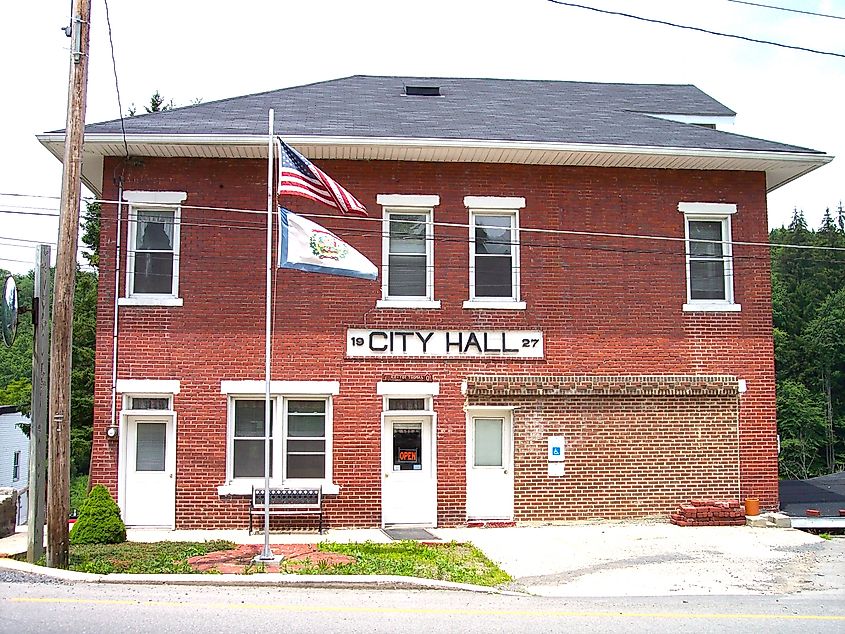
[(407, 455)]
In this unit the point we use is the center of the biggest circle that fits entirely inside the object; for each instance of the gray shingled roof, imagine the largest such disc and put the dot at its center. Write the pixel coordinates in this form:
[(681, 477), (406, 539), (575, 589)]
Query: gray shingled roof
[(478, 109)]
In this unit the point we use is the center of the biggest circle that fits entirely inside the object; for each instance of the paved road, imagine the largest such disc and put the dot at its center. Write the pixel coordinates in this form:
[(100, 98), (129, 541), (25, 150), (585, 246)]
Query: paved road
[(43, 608)]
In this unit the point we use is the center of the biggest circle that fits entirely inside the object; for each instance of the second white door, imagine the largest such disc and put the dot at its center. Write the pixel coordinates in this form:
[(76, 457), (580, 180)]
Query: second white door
[(489, 467), (409, 486)]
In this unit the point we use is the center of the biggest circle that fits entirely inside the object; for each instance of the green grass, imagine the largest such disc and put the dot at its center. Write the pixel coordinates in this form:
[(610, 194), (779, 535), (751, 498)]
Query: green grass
[(461, 563), (140, 558), (78, 492)]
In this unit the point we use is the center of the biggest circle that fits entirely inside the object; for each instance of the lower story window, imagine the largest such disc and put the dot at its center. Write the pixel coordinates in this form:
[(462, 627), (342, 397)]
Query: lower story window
[(300, 450)]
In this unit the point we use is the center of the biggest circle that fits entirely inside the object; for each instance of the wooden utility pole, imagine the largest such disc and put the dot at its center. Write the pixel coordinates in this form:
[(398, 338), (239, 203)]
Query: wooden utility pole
[(38, 429), (58, 491)]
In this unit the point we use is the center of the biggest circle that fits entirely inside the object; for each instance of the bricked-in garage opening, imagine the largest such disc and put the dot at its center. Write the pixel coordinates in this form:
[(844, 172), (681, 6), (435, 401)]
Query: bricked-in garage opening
[(635, 445)]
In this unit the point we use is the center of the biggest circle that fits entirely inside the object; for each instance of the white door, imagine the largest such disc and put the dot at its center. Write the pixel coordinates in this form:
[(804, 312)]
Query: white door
[(150, 496), (489, 467), (408, 486)]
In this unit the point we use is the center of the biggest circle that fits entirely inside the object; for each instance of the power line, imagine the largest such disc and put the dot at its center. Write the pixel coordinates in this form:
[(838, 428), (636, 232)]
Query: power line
[(698, 29), (259, 226), (116, 84), (776, 8)]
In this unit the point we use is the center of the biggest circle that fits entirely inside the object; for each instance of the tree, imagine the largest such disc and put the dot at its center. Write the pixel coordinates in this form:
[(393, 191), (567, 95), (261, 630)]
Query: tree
[(825, 337), (90, 234), (157, 104), (808, 311), (802, 429), (16, 364)]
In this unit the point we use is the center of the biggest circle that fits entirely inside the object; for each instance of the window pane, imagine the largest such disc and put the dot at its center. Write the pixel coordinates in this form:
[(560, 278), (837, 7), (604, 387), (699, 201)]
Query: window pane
[(406, 276), (705, 230), (153, 272), (307, 446), (407, 233), (154, 231), (398, 404), (407, 447), (150, 443), (248, 459), (488, 442), (306, 407), (153, 252), (493, 277), (493, 234), (249, 419), (707, 279), (306, 466), (311, 426), (150, 403)]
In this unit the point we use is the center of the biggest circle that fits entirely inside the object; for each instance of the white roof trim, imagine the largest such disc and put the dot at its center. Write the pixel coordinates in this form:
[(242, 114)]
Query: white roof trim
[(713, 119), (780, 167)]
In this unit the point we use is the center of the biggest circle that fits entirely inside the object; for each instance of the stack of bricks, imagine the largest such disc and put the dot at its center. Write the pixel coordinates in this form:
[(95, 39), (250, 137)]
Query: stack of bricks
[(709, 513)]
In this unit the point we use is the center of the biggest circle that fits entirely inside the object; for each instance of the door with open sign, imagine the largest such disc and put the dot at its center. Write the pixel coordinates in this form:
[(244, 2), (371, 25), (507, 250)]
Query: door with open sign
[(409, 488)]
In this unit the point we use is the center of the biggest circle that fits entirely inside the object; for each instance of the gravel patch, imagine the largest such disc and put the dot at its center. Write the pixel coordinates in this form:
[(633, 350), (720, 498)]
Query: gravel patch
[(15, 576)]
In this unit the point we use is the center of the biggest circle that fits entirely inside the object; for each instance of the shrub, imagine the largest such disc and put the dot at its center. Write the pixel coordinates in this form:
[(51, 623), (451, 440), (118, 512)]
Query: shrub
[(99, 520)]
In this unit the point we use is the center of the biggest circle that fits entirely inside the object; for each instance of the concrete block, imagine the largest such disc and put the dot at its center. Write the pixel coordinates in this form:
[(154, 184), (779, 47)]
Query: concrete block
[(756, 521), (779, 520)]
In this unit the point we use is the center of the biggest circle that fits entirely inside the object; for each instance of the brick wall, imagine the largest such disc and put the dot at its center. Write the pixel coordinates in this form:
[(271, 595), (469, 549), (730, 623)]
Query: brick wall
[(635, 446), (607, 306)]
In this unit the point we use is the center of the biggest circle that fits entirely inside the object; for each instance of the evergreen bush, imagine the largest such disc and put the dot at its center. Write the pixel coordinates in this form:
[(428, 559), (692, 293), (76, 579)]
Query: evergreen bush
[(99, 520)]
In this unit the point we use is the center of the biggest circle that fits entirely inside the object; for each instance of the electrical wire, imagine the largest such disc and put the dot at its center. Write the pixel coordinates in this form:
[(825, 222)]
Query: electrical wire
[(696, 28), (776, 8), (116, 84), (259, 226)]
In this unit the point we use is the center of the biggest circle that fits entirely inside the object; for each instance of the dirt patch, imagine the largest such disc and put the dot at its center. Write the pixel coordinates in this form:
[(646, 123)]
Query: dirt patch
[(240, 559)]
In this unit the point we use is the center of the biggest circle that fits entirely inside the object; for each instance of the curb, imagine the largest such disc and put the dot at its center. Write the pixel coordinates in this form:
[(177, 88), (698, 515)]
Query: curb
[(373, 582)]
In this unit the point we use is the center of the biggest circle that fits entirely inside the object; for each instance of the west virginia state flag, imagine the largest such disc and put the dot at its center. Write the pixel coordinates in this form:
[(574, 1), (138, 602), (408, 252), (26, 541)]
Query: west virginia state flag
[(306, 246)]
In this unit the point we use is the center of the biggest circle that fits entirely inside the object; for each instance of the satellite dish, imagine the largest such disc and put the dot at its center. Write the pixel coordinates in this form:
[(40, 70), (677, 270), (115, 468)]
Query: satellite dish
[(9, 311)]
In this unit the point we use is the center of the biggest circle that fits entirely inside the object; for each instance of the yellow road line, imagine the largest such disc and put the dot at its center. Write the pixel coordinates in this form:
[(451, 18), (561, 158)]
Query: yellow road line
[(434, 611)]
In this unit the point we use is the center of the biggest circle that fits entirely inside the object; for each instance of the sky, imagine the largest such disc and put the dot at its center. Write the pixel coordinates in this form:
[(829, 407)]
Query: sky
[(192, 49)]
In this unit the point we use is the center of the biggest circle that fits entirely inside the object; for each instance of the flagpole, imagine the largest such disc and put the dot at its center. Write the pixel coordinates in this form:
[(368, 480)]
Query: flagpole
[(266, 553)]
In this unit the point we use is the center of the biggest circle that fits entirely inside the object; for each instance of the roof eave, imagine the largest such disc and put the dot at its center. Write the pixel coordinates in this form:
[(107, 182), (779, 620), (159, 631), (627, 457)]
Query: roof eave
[(781, 167)]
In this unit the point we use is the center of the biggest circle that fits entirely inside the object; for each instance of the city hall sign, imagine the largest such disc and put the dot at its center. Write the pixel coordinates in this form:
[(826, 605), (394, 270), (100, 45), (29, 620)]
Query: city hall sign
[(444, 343)]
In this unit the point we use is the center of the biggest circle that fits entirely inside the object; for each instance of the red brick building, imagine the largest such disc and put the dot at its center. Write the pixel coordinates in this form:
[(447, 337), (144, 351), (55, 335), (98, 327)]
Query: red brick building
[(572, 320)]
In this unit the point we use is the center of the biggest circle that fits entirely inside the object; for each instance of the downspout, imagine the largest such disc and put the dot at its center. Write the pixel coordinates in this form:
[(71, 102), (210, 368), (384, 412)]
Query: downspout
[(113, 428)]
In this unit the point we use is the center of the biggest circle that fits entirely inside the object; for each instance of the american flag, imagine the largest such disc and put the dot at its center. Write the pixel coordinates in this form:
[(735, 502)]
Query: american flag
[(299, 177)]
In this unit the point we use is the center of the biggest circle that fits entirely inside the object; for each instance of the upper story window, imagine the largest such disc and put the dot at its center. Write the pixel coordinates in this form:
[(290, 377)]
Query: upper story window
[(408, 251), (709, 256), (16, 466), (494, 271), (152, 261)]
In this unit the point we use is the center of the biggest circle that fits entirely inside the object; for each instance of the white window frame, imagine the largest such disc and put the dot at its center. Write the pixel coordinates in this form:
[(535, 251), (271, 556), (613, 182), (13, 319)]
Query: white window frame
[(710, 212), (281, 393), (152, 201), (16, 466), (496, 206), (408, 204)]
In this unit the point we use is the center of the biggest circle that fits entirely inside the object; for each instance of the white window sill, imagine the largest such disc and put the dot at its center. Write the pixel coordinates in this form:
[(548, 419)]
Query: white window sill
[(245, 487), (408, 303), (149, 301), (712, 307), (497, 305)]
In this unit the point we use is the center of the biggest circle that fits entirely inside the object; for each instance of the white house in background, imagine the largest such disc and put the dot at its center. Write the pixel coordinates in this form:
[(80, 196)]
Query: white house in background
[(14, 456)]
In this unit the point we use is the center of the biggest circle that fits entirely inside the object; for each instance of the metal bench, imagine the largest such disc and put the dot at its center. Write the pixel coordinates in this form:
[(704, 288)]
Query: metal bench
[(288, 502)]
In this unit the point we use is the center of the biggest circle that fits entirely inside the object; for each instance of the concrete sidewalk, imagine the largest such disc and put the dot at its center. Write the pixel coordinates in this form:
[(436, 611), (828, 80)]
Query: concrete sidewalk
[(604, 558)]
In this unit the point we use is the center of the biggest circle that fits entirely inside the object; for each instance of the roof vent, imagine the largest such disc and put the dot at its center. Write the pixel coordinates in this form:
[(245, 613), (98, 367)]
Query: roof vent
[(422, 91)]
